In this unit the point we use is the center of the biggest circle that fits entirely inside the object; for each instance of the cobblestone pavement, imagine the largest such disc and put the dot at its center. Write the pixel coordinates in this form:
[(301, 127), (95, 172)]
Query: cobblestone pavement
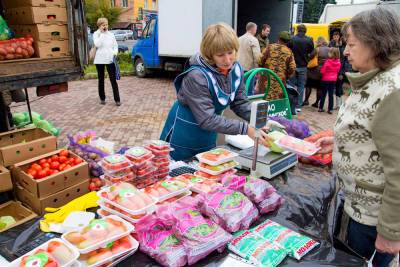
[(145, 106)]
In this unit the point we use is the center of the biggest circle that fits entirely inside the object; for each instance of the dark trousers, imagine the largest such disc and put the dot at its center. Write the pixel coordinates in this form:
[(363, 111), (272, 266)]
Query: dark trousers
[(327, 88), (113, 80), (361, 238)]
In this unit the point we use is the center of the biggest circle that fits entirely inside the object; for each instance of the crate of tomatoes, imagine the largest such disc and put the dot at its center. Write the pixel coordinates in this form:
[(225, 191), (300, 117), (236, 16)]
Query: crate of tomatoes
[(51, 173), (17, 48)]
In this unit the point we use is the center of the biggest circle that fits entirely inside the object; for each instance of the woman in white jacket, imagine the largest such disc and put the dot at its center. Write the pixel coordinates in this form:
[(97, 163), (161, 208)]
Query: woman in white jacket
[(106, 50)]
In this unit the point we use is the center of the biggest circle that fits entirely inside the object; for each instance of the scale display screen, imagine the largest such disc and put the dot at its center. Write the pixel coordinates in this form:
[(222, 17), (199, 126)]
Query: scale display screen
[(259, 114)]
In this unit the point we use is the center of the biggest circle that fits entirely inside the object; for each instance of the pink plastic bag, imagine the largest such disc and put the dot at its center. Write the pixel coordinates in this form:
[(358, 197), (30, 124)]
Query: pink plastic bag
[(230, 209), (271, 203), (159, 241), (200, 237), (254, 188)]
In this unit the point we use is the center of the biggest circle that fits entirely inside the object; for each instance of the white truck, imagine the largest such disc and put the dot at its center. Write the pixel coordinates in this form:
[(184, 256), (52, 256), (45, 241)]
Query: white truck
[(333, 12), (174, 34)]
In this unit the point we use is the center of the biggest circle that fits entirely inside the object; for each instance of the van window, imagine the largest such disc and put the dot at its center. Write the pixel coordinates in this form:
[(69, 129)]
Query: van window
[(148, 31)]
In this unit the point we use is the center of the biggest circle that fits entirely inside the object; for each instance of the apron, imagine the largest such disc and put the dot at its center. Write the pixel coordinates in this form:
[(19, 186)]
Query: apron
[(181, 129)]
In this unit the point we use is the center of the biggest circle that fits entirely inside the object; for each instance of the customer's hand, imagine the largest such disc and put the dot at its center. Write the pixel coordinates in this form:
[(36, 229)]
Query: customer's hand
[(384, 245), (325, 144)]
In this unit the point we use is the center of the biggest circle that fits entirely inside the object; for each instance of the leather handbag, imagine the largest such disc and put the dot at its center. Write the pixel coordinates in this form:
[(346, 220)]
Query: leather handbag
[(313, 63)]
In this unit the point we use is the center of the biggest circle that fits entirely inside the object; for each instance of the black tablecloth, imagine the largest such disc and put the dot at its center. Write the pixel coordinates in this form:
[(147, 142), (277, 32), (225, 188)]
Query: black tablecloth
[(311, 207)]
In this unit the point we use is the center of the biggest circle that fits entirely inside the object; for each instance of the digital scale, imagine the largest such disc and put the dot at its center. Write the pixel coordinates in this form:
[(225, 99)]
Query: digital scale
[(271, 164)]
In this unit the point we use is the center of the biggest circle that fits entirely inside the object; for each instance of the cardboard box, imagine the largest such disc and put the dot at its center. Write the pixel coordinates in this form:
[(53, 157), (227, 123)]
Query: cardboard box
[(16, 210), (5, 180), (55, 200), (52, 49), (36, 15), (42, 32), (42, 3), (53, 183), (23, 144)]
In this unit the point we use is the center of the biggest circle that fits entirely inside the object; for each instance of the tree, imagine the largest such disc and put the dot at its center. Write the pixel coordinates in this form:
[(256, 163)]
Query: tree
[(313, 9), (95, 9)]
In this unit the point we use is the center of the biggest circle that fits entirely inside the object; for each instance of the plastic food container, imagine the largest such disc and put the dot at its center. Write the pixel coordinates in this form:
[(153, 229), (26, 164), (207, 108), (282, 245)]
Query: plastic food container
[(216, 156), (166, 189), (112, 249), (117, 179), (98, 225), (198, 184), (217, 170), (115, 163), (109, 209), (120, 206), (297, 146), (145, 171), (138, 156), (160, 160), (158, 144), (161, 165), (63, 259), (142, 183), (174, 199), (215, 177), (159, 152)]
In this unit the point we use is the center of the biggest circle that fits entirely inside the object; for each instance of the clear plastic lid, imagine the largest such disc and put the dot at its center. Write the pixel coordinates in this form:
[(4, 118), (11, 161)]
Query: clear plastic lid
[(159, 152), (216, 156), (217, 170), (161, 165), (114, 163), (215, 177), (114, 250), (138, 155), (297, 146), (158, 144), (161, 159), (168, 188), (98, 234), (146, 171), (66, 258)]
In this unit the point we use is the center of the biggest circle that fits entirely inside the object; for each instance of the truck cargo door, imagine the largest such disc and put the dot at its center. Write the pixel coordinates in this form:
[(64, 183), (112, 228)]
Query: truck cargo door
[(78, 32)]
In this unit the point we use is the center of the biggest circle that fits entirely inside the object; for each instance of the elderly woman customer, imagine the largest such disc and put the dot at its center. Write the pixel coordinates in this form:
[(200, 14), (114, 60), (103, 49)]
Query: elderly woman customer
[(366, 147), (106, 51)]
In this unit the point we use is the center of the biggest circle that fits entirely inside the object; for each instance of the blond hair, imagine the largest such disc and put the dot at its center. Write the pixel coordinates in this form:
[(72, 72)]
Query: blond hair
[(334, 53), (321, 41), (219, 38), (101, 21)]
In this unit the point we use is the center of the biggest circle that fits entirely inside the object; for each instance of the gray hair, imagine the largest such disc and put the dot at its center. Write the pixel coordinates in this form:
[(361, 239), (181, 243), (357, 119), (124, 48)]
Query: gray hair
[(378, 29), (250, 26)]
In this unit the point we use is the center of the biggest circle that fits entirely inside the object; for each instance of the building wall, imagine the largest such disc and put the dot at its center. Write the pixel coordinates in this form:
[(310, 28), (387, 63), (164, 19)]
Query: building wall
[(131, 12)]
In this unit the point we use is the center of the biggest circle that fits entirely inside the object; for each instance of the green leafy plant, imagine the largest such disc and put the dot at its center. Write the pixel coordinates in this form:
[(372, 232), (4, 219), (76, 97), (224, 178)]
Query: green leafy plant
[(95, 9)]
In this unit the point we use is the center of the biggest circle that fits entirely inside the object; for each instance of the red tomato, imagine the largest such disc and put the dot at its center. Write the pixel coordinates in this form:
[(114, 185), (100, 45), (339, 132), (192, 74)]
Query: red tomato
[(54, 158), (67, 167), (64, 153), (47, 170), (63, 159), (55, 165), (41, 174), (62, 166), (92, 187), (32, 172), (45, 165), (42, 161), (36, 167), (78, 161), (71, 161), (55, 171)]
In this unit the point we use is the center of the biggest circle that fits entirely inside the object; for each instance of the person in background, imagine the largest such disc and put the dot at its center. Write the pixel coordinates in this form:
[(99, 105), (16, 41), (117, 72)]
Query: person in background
[(366, 143), (106, 50), (329, 72), (314, 74), (337, 41), (213, 82), (262, 37), (278, 58), (302, 46), (249, 48)]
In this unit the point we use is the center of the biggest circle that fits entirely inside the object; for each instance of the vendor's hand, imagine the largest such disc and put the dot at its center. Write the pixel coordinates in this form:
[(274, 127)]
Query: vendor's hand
[(325, 144), (384, 245), (263, 136)]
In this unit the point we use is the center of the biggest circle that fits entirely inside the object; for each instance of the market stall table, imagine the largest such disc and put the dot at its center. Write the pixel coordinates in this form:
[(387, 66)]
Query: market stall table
[(310, 208)]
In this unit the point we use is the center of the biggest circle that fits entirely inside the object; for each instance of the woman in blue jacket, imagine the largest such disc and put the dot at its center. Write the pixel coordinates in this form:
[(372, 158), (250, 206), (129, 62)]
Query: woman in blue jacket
[(213, 82)]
